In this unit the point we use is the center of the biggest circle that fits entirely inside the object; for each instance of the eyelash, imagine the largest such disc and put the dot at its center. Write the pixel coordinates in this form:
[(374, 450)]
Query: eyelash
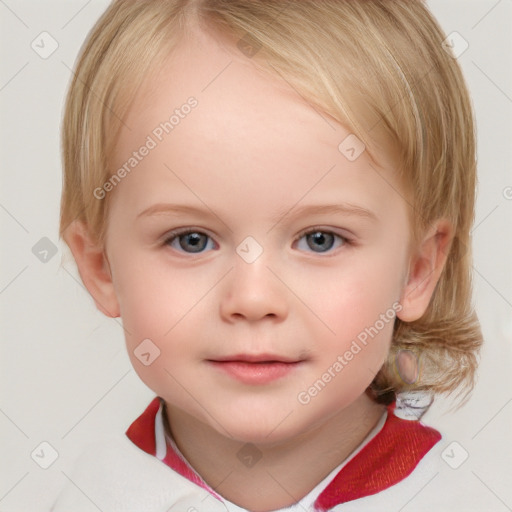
[(171, 235), (346, 242)]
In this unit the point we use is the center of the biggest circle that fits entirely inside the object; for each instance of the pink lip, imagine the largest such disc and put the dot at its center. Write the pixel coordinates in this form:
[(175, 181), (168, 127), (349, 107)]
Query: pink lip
[(256, 358), (256, 369)]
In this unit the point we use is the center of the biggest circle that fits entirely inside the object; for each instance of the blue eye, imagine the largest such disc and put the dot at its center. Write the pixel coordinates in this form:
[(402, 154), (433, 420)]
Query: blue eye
[(190, 241), (320, 241)]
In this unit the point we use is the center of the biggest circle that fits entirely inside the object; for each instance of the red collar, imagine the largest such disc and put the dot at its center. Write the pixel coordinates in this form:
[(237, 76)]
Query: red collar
[(387, 459)]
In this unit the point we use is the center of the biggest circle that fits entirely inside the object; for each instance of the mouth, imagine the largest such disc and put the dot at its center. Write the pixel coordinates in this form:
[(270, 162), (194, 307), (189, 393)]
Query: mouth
[(256, 358), (256, 369)]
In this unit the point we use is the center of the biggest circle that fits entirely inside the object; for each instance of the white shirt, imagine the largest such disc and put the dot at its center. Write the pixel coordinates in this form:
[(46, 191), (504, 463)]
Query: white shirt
[(118, 476)]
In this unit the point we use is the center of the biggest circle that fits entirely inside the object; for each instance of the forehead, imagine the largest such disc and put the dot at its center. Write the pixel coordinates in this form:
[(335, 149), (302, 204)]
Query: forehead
[(249, 129), (234, 97)]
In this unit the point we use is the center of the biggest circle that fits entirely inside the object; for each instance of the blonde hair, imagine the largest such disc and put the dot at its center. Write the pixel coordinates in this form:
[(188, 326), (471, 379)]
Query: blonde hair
[(377, 67)]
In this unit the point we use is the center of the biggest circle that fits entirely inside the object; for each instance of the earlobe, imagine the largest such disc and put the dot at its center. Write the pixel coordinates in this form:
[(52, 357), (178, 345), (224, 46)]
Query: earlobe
[(425, 269), (93, 268)]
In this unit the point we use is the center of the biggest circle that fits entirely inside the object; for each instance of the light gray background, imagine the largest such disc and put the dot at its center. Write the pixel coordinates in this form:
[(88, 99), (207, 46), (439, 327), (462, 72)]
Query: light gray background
[(65, 376)]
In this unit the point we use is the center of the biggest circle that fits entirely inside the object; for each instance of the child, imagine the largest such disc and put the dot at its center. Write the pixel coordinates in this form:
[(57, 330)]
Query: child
[(318, 158)]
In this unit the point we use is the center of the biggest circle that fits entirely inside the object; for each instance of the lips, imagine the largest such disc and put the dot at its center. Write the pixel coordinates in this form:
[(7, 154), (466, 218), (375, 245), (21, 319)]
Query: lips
[(256, 369), (256, 358)]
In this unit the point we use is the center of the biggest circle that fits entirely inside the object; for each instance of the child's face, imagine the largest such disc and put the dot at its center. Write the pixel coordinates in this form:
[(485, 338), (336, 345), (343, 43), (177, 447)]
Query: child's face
[(252, 159)]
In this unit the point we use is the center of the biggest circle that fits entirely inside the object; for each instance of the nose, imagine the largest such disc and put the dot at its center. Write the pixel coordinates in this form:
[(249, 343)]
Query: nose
[(252, 292)]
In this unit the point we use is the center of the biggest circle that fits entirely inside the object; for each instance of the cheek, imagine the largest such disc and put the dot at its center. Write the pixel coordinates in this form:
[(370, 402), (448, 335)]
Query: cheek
[(357, 304), (353, 296), (157, 310), (160, 307), (153, 296)]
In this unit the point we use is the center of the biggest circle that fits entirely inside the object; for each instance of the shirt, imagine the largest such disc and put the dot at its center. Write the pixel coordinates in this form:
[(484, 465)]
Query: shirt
[(146, 472)]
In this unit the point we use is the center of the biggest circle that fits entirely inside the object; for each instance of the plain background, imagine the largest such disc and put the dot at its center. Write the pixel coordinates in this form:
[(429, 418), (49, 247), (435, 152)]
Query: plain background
[(65, 376)]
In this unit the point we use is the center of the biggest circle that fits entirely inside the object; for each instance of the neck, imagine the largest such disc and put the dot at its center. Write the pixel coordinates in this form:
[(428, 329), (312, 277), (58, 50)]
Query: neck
[(285, 471)]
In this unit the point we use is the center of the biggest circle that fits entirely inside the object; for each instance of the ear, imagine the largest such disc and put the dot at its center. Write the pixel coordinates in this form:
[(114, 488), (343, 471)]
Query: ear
[(93, 267), (425, 268)]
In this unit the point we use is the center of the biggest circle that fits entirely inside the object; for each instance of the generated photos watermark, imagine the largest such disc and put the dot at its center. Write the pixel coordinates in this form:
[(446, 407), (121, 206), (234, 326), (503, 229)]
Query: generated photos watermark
[(358, 344), (157, 135)]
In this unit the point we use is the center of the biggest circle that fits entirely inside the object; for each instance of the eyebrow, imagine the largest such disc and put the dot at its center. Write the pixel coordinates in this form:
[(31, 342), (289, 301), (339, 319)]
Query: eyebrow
[(162, 208), (336, 209)]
